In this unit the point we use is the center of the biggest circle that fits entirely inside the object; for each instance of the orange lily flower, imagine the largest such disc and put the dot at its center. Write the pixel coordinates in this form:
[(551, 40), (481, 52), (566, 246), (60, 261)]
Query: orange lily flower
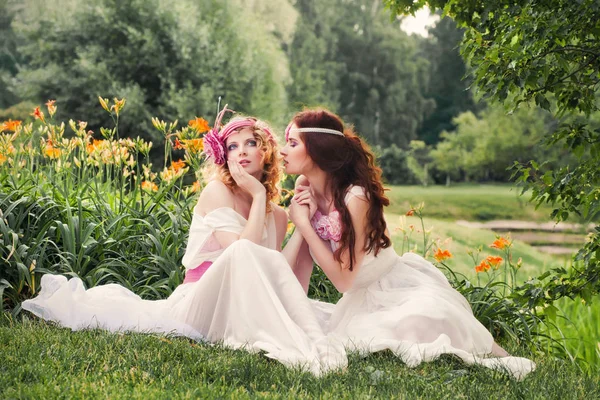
[(51, 107), (196, 186), (199, 124), (193, 145), (410, 212), (94, 145), (501, 243), (149, 186), (177, 165), (37, 114), (494, 261), (52, 152), (118, 106), (10, 125), (178, 145), (483, 266), (442, 255)]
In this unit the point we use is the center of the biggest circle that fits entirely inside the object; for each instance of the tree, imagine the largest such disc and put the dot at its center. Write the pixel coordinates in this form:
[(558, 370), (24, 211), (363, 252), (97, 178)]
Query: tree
[(484, 146), (313, 64), (170, 59), (9, 57), (448, 86), (349, 57), (547, 53)]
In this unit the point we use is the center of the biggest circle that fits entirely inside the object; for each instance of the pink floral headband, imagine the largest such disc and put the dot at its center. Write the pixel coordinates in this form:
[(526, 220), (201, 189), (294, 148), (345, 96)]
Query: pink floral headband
[(214, 140)]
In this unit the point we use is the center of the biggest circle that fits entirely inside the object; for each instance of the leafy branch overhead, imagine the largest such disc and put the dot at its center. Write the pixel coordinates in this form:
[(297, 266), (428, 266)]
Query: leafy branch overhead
[(528, 52)]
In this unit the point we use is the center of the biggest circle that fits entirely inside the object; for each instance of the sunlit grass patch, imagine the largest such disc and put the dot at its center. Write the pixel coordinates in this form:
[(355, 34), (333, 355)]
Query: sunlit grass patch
[(44, 361)]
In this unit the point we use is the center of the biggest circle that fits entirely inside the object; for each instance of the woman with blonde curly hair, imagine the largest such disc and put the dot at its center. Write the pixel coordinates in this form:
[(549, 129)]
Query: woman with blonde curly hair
[(239, 290), (243, 173)]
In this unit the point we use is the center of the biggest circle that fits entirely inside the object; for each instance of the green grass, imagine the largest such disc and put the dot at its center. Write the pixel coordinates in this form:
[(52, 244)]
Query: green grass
[(459, 240), (469, 202), (39, 360), (580, 327)]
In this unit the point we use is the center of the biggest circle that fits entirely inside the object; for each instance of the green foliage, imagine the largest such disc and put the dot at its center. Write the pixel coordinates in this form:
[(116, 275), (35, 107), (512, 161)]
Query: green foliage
[(393, 162), (578, 327), (88, 209), (9, 57), (483, 147), (547, 53), (448, 86), (347, 56), (168, 58)]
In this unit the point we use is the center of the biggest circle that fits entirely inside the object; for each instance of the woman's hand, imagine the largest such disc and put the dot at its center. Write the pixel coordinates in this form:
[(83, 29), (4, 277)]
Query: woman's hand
[(303, 196), (245, 181), (299, 214)]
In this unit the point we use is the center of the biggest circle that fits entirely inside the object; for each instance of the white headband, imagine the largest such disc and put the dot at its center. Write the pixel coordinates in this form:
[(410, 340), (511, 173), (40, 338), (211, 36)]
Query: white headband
[(319, 130)]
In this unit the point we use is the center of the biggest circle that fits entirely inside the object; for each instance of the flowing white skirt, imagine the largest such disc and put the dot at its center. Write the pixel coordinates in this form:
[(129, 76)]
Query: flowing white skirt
[(249, 298), (406, 305)]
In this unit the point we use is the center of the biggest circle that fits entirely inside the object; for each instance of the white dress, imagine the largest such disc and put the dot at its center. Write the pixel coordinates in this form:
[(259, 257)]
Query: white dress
[(248, 298), (405, 304)]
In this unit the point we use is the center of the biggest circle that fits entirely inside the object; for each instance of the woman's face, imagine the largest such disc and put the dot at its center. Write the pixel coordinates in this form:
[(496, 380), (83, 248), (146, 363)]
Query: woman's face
[(242, 147), (296, 160)]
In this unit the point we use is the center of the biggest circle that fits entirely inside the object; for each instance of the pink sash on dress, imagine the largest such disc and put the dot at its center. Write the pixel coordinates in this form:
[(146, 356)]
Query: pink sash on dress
[(193, 275)]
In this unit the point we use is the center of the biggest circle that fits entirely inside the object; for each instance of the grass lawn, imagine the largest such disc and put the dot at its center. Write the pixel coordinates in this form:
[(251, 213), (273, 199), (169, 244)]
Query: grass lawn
[(468, 202), (459, 240), (41, 361), (579, 325)]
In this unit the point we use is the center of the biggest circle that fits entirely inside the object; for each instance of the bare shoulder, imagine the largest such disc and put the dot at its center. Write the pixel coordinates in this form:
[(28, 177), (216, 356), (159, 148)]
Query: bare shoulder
[(301, 180), (214, 195), (358, 206)]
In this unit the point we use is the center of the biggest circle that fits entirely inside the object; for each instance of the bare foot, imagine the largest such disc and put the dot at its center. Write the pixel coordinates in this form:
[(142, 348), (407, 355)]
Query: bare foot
[(499, 351)]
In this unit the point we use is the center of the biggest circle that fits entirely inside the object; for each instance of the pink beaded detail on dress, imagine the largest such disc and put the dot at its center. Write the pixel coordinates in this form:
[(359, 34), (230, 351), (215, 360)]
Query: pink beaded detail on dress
[(328, 227)]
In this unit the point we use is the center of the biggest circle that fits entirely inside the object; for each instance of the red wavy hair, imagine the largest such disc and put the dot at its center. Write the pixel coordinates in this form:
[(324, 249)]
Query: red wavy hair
[(348, 161)]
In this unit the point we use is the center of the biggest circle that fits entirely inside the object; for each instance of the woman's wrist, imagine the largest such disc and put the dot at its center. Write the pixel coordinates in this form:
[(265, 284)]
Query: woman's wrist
[(259, 196), (303, 225)]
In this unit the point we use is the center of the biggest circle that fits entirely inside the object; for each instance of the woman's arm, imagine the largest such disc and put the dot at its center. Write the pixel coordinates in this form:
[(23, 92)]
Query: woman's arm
[(298, 257), (281, 220), (217, 195), (296, 250), (338, 272)]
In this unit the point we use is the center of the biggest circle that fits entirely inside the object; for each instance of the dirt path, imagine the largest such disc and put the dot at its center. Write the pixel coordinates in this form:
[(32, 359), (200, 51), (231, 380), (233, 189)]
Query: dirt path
[(561, 238), (515, 225)]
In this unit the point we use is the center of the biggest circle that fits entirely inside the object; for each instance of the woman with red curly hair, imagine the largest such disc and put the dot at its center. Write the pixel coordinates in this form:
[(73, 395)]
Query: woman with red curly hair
[(401, 303)]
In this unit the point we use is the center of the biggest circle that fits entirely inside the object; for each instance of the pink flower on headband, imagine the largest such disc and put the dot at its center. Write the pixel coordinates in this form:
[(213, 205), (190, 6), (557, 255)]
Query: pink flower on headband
[(214, 143), (214, 147), (214, 140)]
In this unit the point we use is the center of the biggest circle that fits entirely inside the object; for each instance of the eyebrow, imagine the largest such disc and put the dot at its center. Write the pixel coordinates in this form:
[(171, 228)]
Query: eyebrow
[(247, 140)]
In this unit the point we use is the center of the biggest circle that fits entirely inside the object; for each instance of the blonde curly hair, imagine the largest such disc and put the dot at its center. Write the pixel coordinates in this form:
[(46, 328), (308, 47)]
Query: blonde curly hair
[(272, 172)]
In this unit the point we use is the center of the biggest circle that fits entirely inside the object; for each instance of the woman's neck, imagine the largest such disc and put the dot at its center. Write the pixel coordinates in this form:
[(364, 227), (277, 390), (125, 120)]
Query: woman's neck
[(243, 197), (319, 187)]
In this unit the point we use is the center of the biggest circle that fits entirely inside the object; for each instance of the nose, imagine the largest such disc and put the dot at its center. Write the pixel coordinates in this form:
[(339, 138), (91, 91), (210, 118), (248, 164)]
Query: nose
[(283, 151)]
